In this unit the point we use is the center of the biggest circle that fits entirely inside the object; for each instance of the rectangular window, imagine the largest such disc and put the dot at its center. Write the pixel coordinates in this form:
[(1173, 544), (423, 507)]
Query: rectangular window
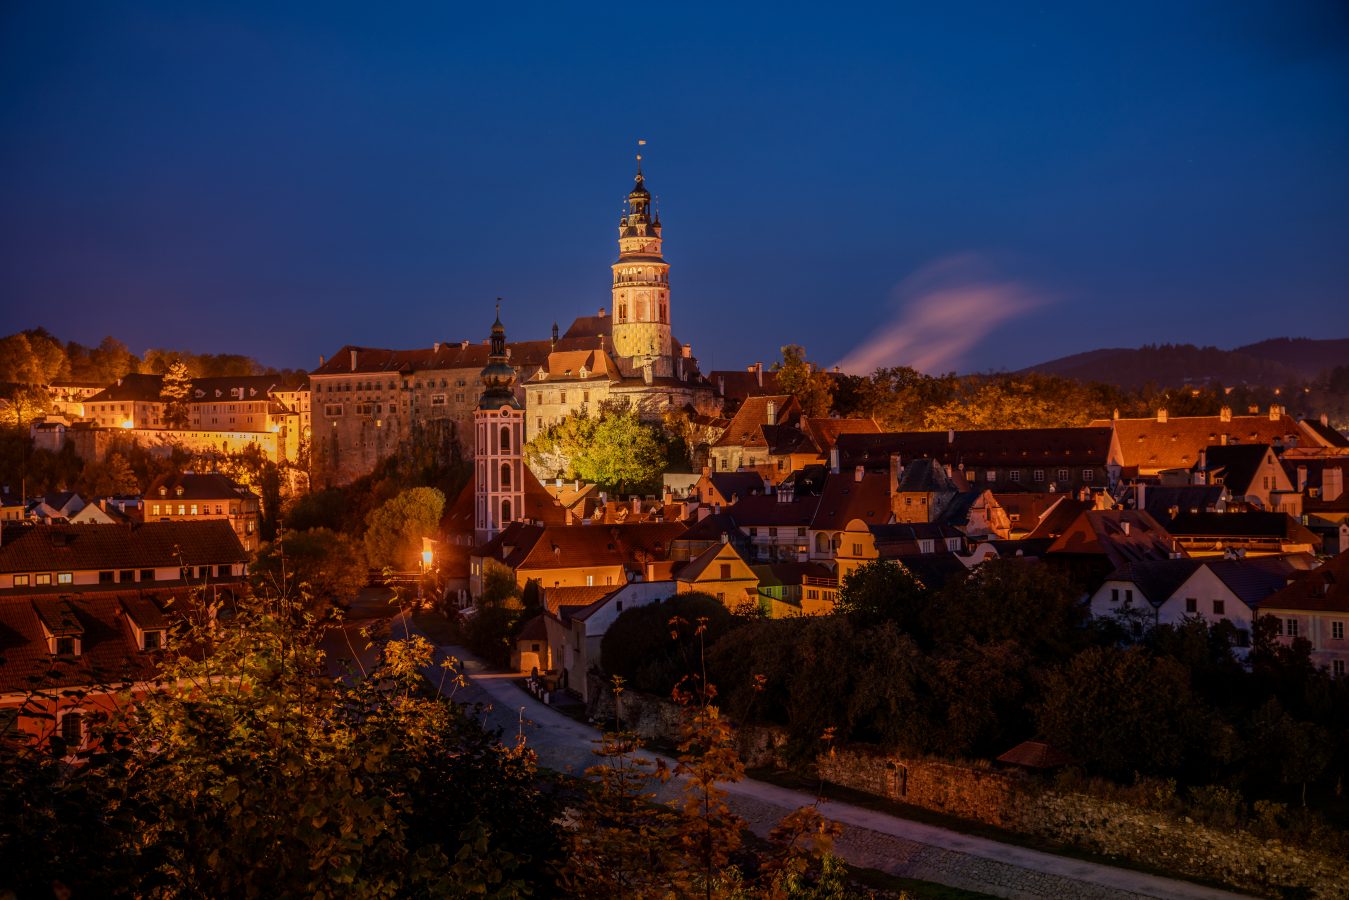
[(42, 578), (153, 640), (1220, 607), (106, 577), (856, 549), (65, 578), (437, 399), (925, 546), (801, 532), (1038, 475), (1063, 474), (72, 729), (65, 646), (1088, 475), (332, 410), (1192, 604), (21, 581), (1292, 628), (222, 571), (991, 474), (725, 571), (194, 509), (772, 532), (147, 574), (126, 575), (1337, 631), (754, 532), (1114, 596), (1128, 596), (1014, 475), (182, 509)]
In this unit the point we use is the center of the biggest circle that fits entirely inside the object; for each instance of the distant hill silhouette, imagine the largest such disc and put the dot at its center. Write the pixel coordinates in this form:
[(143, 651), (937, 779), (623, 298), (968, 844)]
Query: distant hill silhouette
[(1271, 363)]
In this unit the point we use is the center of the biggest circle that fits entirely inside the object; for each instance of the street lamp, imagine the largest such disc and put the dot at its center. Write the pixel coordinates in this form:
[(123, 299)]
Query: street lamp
[(421, 582)]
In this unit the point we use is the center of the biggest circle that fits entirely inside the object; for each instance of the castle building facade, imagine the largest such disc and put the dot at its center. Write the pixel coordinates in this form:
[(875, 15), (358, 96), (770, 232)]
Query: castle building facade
[(367, 401)]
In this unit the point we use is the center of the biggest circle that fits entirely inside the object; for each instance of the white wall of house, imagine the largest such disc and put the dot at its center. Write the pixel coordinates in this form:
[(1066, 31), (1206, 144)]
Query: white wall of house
[(1325, 630), (576, 645), (1205, 595), (1114, 596)]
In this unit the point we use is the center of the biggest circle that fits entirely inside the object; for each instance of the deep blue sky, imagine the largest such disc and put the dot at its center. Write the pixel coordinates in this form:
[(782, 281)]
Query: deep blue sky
[(281, 179)]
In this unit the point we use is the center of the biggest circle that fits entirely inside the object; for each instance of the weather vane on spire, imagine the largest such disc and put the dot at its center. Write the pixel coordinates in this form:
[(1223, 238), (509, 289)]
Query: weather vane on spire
[(640, 144)]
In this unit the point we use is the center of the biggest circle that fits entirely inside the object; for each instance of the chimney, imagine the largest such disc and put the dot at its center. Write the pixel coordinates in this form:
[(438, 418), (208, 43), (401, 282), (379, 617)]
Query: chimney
[(950, 436), (896, 472), (1141, 490), (320, 360), (603, 312), (353, 360), (576, 485), (833, 460), (1332, 482), (858, 473), (667, 495), (767, 486), (1325, 420), (463, 345), (1115, 414), (1125, 525), (435, 348), (1201, 468), (758, 371), (1225, 414), (1161, 416), (772, 416), (636, 505), (1301, 478), (725, 538), (553, 346), (1223, 438), (558, 482), (721, 386), (686, 351)]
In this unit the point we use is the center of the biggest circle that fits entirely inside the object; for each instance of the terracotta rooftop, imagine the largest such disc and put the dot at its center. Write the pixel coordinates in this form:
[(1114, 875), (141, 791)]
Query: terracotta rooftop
[(1323, 589), (1153, 444), (52, 548)]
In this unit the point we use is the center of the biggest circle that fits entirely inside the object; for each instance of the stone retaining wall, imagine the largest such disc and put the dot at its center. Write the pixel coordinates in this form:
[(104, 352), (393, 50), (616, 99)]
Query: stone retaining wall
[(1111, 828)]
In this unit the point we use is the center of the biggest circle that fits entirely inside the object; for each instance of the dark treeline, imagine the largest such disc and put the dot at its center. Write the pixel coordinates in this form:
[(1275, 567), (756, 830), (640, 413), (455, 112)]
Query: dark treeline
[(1007, 654), (36, 356)]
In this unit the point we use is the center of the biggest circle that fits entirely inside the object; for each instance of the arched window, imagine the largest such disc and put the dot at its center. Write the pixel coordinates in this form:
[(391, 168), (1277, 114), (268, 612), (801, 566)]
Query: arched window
[(821, 543), (838, 542), (505, 475), (505, 511), (505, 443)]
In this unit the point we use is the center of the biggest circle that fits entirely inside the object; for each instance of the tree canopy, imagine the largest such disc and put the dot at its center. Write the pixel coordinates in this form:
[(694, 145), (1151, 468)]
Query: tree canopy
[(394, 532), (615, 449)]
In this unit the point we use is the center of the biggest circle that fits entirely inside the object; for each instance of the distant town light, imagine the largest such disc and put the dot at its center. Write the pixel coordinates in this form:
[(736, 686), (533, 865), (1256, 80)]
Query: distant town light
[(128, 424)]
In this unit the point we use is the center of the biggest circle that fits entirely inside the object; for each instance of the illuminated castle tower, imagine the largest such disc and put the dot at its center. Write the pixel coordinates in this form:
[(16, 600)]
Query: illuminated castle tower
[(498, 440), (641, 323)]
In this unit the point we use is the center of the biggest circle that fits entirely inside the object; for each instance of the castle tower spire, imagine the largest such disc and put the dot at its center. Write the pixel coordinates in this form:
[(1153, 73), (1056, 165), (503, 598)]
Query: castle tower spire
[(498, 442), (641, 285)]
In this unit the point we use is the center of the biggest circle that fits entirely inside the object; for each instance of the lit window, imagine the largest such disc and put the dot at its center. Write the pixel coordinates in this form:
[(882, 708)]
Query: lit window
[(42, 578), (21, 581), (65, 578)]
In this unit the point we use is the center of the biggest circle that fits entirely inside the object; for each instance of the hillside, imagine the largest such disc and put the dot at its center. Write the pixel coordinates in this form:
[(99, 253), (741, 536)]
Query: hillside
[(1269, 363)]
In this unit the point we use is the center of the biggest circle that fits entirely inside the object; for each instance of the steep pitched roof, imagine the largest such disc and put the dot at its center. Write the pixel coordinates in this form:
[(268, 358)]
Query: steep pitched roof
[(1255, 579), (1120, 535), (1159, 501), (1242, 525), (1156, 579), (695, 567), (1059, 517), (746, 428), (577, 546), (1236, 465), (197, 486), (1323, 589), (1323, 431), (825, 431), (108, 651), (51, 548), (1175, 443), (771, 510), (992, 448), (846, 497)]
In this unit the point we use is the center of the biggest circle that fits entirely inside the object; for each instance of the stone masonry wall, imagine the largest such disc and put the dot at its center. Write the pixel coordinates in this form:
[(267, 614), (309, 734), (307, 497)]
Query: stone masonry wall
[(1111, 828)]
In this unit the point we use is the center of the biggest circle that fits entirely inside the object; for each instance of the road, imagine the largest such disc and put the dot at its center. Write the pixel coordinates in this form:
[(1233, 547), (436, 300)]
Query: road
[(870, 839)]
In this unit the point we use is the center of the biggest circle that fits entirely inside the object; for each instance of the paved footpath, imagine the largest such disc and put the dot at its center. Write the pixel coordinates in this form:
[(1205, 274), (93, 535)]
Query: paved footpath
[(870, 839)]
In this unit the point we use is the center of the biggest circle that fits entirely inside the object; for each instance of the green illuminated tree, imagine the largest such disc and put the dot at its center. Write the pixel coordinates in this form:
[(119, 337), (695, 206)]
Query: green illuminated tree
[(393, 538), (797, 376), (175, 391)]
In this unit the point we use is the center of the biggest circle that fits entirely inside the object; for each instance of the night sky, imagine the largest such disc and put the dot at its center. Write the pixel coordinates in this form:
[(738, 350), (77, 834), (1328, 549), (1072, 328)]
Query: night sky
[(971, 186)]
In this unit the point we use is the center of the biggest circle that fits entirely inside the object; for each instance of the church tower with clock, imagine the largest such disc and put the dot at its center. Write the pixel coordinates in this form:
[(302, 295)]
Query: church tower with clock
[(641, 292)]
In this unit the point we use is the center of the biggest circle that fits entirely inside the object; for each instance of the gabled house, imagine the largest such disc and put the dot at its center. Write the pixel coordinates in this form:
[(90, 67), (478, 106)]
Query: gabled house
[(576, 620), (1231, 590), (859, 493), (776, 524), (720, 572), (1314, 606), (193, 497), (1141, 588), (1100, 541), (1150, 446), (574, 555), (1252, 474)]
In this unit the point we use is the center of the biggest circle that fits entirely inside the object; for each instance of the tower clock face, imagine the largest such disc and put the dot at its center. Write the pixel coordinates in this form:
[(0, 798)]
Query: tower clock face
[(505, 411)]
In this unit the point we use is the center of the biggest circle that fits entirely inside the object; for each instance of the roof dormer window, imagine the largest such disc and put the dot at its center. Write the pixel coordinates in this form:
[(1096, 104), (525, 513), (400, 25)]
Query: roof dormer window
[(66, 645), (152, 640), (178, 491)]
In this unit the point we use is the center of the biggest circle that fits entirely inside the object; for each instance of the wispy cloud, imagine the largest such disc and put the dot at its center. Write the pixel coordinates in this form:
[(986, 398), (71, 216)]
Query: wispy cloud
[(941, 312)]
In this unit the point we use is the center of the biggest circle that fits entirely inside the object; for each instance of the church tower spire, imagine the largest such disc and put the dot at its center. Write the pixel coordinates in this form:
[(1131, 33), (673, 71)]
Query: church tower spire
[(498, 443), (641, 323)]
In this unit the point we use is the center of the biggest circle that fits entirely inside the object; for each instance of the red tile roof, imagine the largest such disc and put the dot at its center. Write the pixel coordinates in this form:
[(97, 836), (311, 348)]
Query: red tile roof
[(1120, 535), (845, 498), (1323, 589), (1175, 443), (746, 428), (52, 548)]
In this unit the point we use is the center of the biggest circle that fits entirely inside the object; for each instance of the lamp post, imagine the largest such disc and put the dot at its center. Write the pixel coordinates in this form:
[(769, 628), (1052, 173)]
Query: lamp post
[(426, 558)]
